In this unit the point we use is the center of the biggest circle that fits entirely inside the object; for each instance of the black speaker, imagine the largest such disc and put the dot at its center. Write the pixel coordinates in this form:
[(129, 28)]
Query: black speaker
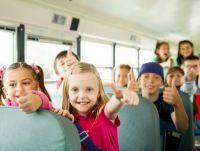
[(74, 24)]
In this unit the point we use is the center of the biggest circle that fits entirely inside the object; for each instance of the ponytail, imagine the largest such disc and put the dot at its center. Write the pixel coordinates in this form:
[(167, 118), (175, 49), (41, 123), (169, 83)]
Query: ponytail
[(2, 94), (40, 78)]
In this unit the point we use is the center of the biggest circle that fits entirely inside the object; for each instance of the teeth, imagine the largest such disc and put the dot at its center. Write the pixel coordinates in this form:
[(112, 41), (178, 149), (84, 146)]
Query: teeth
[(82, 103)]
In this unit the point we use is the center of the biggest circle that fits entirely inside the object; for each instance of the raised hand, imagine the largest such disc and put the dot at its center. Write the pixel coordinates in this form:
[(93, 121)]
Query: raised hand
[(70, 59), (126, 96), (171, 95), (132, 85), (29, 103)]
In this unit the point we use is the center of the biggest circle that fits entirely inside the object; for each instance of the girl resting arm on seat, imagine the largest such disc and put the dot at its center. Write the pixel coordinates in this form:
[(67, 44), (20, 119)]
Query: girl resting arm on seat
[(20, 85)]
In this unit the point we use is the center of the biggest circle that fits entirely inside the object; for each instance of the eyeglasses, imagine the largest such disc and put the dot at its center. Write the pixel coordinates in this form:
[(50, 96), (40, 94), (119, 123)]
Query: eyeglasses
[(192, 66)]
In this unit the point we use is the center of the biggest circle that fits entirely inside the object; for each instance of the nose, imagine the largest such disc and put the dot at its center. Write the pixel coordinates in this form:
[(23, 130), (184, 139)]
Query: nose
[(81, 94), (19, 88), (150, 79)]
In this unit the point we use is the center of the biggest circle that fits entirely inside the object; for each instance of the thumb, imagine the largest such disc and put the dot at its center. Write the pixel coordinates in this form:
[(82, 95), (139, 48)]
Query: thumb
[(116, 92), (21, 100), (173, 83), (69, 52), (131, 75)]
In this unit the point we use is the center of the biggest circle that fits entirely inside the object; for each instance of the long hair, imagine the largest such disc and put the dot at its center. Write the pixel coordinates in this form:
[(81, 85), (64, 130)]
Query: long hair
[(37, 75), (158, 45), (80, 68), (180, 57)]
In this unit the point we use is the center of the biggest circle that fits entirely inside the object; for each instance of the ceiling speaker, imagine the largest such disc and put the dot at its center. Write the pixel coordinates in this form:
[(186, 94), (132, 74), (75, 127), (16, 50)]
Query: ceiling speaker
[(74, 24)]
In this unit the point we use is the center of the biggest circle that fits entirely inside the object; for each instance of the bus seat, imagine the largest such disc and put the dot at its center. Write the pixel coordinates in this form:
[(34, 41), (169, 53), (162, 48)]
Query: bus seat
[(108, 91), (39, 131), (187, 141), (139, 129)]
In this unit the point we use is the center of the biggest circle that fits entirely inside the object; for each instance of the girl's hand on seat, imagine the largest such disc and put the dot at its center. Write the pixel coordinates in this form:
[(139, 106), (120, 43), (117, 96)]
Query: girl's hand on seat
[(64, 113)]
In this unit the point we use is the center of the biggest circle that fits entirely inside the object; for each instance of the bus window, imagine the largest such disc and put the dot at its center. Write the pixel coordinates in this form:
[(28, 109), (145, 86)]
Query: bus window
[(99, 54), (127, 55), (145, 56), (43, 54), (7, 47)]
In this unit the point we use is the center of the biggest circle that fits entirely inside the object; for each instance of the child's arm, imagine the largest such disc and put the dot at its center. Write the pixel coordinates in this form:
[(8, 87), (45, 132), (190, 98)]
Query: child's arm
[(118, 100), (179, 116), (33, 101)]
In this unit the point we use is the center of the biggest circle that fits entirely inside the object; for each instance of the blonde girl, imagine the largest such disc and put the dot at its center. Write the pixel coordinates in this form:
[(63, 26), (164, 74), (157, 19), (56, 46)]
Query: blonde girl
[(93, 112)]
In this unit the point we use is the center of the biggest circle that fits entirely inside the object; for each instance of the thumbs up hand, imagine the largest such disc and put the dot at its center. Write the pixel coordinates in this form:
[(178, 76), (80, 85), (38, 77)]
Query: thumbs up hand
[(171, 95), (126, 96), (132, 85), (70, 59)]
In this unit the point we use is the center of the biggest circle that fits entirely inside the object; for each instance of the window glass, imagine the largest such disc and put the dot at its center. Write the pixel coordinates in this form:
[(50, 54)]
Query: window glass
[(43, 54), (145, 56), (6, 48), (126, 55), (100, 55)]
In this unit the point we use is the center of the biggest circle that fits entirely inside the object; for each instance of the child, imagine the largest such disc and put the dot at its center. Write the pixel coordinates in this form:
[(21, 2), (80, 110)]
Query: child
[(191, 68), (121, 75), (174, 73), (185, 49), (163, 55), (85, 99), (62, 66), (168, 103), (19, 87)]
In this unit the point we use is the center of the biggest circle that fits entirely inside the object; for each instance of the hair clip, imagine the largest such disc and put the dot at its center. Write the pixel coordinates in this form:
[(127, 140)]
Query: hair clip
[(35, 68), (2, 70)]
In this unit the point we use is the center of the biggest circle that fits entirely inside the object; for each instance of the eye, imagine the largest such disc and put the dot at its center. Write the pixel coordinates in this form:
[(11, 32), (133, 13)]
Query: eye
[(12, 84), (74, 89), (146, 76), (26, 83), (156, 77), (89, 89)]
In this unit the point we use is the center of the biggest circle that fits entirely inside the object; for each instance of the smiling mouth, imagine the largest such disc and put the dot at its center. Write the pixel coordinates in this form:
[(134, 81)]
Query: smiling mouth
[(83, 103)]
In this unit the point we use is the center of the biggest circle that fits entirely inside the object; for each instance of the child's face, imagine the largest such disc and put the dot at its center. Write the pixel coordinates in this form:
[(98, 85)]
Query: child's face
[(18, 82), (191, 68), (83, 92), (121, 77), (178, 79), (150, 83), (64, 65), (185, 50), (163, 51)]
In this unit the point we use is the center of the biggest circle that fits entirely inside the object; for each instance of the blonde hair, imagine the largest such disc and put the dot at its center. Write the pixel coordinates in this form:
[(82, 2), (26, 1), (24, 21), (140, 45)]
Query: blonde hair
[(79, 68)]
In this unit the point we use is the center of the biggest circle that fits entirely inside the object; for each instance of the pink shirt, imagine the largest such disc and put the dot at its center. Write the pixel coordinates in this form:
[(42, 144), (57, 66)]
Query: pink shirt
[(46, 104), (102, 131)]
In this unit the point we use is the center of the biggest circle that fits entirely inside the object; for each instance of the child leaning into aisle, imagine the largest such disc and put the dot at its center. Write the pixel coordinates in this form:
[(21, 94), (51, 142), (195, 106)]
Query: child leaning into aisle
[(62, 65), (20, 85), (92, 111)]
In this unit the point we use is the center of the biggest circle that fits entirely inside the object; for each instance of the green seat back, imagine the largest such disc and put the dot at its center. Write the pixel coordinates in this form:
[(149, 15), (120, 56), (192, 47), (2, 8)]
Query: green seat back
[(39, 131), (139, 129), (187, 141)]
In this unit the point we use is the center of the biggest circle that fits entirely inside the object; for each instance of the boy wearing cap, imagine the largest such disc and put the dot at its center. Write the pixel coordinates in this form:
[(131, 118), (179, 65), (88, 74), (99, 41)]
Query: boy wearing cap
[(168, 103)]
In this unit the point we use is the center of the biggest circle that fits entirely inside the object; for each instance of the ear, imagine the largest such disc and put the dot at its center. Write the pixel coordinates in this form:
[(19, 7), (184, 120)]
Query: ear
[(38, 86), (161, 83)]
